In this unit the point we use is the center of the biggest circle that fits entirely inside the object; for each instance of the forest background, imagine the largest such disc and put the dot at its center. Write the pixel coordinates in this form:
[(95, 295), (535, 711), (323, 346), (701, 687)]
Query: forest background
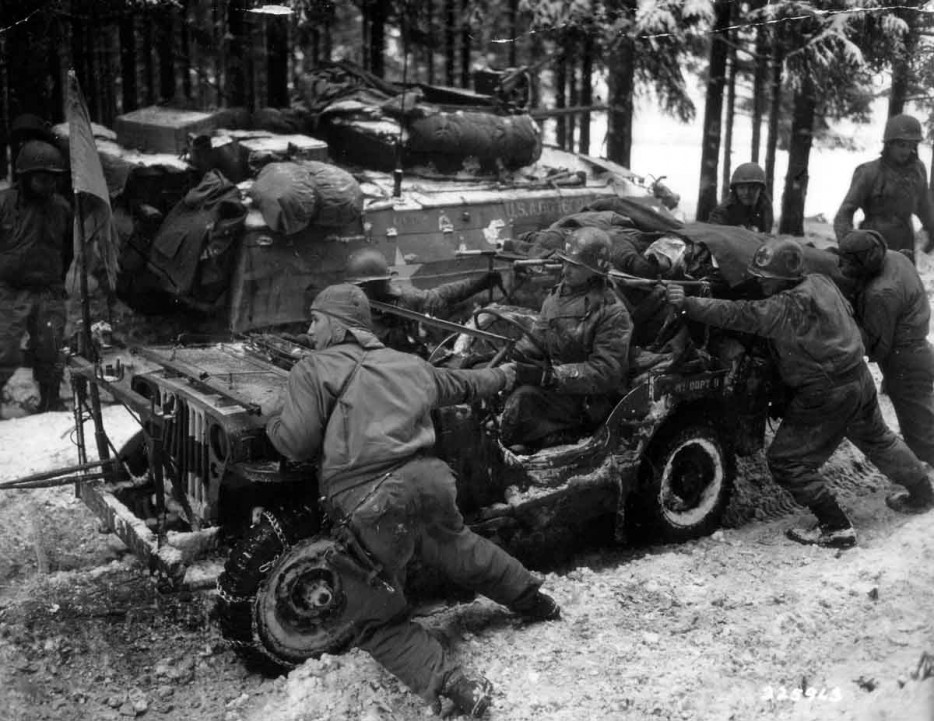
[(796, 73)]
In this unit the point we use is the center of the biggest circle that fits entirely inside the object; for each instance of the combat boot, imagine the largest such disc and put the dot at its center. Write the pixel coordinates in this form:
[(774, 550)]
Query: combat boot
[(471, 696), (918, 499), (833, 529), (533, 605)]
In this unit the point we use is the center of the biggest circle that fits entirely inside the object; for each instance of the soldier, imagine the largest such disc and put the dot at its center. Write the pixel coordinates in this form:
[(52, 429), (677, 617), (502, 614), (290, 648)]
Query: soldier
[(585, 331), (820, 358), (368, 268), (35, 252), (748, 205), (364, 410), (894, 314), (890, 189), (28, 127)]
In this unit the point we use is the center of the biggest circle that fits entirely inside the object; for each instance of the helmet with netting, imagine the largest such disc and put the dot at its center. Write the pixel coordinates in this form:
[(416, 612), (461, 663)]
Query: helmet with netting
[(778, 258)]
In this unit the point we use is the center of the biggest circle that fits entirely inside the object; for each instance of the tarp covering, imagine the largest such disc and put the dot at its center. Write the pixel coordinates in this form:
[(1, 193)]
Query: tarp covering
[(733, 247)]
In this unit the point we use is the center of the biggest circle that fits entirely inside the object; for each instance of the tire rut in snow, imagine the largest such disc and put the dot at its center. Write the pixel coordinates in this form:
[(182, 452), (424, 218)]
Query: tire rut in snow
[(756, 497)]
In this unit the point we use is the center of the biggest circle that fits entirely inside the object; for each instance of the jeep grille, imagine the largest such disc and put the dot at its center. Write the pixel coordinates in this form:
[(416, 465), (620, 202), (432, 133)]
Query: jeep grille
[(186, 444)]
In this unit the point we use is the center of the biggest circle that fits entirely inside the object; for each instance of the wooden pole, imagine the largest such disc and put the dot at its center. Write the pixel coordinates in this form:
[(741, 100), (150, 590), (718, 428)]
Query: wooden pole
[(89, 353)]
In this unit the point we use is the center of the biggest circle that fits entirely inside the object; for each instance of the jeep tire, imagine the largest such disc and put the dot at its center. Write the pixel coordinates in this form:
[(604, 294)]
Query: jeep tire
[(684, 487), (241, 587)]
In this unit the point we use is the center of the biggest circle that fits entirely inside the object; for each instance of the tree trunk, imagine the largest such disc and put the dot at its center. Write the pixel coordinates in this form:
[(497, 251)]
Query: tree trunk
[(465, 44), (586, 94), (450, 18), (128, 83), (55, 104), (561, 86), (799, 152), (184, 56), (4, 109), (166, 52), (620, 88), (713, 109), (535, 89), (730, 115), (573, 98), (277, 62), (149, 69), (107, 74), (775, 109), (238, 63), (378, 11), (513, 32), (901, 60), (79, 50), (429, 46), (759, 89)]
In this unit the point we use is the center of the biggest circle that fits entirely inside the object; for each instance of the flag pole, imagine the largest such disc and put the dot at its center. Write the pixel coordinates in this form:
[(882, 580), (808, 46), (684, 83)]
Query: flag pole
[(78, 115)]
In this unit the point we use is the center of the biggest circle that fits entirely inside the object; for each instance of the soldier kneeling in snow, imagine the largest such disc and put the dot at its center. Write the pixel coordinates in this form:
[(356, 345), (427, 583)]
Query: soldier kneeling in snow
[(364, 409)]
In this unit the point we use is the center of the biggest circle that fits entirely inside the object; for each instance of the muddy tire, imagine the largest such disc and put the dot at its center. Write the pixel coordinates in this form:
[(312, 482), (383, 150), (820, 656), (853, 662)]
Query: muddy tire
[(685, 485), (240, 587)]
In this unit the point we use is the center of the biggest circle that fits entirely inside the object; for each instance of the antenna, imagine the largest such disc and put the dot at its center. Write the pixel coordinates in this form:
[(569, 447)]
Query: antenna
[(397, 172)]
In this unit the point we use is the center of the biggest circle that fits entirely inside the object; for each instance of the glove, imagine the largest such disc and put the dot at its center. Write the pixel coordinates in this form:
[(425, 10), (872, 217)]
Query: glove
[(675, 295), (529, 374)]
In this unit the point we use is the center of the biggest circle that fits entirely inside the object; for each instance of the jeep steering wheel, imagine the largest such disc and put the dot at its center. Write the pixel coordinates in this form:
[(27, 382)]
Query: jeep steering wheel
[(525, 332)]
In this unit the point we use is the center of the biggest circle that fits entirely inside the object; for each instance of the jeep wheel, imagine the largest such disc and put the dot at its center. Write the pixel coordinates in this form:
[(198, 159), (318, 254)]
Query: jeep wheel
[(685, 487), (276, 592)]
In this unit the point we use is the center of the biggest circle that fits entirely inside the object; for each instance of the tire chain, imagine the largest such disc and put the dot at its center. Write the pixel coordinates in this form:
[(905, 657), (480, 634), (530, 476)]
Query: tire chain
[(249, 649)]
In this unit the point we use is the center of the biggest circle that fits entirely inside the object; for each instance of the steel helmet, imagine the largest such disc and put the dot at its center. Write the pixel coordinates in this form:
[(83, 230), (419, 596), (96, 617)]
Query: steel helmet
[(779, 258), (37, 155), (367, 264), (589, 248), (748, 173), (29, 127), (865, 247), (902, 127), (345, 303)]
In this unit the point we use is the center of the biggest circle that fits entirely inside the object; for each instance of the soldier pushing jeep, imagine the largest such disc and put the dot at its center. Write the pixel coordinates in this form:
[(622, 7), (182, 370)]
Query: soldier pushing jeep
[(819, 353), (894, 314), (363, 410)]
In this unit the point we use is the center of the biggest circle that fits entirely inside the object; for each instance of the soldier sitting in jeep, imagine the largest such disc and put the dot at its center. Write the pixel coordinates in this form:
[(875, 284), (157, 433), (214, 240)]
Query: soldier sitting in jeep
[(581, 344)]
